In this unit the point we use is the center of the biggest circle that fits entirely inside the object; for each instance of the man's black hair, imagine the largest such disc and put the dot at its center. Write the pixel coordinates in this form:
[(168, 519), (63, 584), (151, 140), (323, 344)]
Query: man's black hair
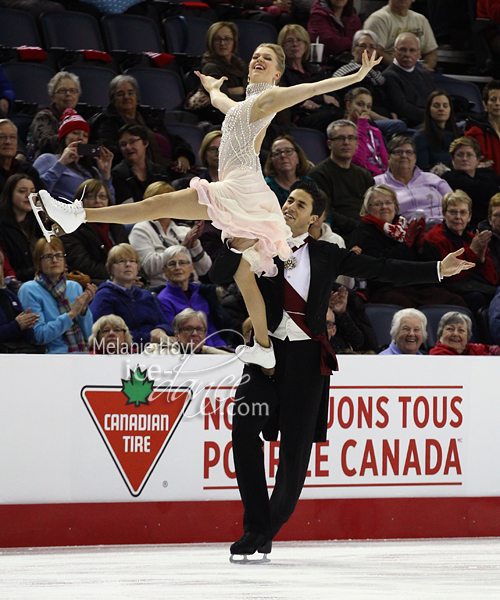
[(319, 199)]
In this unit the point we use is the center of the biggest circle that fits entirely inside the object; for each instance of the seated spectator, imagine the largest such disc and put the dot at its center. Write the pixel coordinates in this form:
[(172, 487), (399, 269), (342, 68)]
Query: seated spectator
[(374, 82), (136, 171), (62, 173), (419, 194), (122, 297), (477, 287), (408, 332), (7, 94), (383, 232), (485, 130), (209, 155), (286, 163), (490, 9), (344, 184), (221, 59), (65, 319), (334, 22), (87, 248), (64, 92), (190, 331), (454, 332), (407, 85), (151, 240), (396, 17), (317, 112), (439, 131), (19, 230), (167, 149), (370, 153), (179, 293), (479, 184), (110, 335), (493, 225), (9, 164), (343, 333), (16, 324)]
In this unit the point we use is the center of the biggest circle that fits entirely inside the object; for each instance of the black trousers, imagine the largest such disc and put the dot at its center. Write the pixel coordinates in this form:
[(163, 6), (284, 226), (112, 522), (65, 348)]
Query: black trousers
[(295, 392)]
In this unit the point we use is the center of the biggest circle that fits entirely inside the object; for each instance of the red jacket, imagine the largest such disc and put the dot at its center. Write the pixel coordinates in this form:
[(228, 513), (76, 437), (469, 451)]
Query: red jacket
[(470, 350), (437, 237), (488, 9), (488, 140), (323, 24)]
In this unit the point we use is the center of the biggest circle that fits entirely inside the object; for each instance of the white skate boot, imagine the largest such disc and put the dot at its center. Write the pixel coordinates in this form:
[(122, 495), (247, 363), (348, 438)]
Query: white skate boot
[(66, 217), (257, 355)]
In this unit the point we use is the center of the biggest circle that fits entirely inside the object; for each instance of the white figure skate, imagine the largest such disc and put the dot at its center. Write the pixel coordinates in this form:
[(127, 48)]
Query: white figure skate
[(66, 216), (257, 355)]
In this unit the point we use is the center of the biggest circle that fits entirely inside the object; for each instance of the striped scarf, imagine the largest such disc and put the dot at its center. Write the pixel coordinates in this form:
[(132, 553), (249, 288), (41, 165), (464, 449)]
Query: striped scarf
[(57, 289)]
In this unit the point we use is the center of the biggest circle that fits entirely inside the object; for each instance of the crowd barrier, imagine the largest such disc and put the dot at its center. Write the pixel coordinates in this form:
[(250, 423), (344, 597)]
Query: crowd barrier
[(137, 449)]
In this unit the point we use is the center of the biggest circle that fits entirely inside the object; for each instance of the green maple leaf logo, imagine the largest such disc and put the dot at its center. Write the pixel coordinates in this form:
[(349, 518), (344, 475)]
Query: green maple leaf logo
[(138, 388)]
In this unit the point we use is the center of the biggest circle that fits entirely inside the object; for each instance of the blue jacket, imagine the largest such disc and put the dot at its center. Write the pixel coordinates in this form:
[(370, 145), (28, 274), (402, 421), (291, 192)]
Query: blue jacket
[(61, 180), (52, 324), (10, 330), (138, 308), (173, 300), (6, 89), (393, 349)]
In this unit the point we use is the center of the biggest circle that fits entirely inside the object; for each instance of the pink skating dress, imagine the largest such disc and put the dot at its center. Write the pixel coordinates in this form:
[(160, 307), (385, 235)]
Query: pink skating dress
[(241, 204)]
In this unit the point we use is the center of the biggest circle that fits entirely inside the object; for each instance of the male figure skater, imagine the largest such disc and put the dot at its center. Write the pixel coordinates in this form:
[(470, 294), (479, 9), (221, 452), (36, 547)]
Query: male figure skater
[(296, 393)]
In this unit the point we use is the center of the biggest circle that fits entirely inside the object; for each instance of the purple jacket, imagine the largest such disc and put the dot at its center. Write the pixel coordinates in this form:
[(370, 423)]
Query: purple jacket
[(370, 153), (336, 36), (423, 193), (173, 300)]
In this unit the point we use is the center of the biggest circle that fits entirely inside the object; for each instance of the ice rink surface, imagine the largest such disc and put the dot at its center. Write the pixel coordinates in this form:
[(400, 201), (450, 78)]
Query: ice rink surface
[(402, 569)]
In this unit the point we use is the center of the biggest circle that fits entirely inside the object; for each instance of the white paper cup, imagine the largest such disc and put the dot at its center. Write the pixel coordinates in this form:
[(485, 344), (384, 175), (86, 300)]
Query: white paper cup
[(317, 52)]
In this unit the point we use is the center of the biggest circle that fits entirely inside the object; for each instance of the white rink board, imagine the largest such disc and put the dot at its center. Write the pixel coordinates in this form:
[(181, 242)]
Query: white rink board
[(52, 451)]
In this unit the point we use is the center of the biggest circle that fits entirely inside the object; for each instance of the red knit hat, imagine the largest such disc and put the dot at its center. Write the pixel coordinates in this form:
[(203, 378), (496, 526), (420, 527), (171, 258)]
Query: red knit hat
[(70, 121)]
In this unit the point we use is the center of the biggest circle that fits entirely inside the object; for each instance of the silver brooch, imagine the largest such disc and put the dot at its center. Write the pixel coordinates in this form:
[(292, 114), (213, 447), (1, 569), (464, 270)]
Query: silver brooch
[(290, 263)]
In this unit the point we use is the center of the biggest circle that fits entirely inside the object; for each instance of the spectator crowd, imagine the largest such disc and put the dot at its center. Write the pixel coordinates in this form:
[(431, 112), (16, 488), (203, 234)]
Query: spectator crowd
[(408, 172)]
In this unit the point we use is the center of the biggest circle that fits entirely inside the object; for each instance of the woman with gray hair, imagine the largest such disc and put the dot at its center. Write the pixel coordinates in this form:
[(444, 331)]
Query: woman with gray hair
[(64, 92), (181, 293), (454, 332), (110, 335), (123, 109), (408, 332)]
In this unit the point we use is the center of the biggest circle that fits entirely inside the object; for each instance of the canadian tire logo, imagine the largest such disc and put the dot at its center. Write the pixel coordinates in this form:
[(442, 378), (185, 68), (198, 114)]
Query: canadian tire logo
[(136, 422)]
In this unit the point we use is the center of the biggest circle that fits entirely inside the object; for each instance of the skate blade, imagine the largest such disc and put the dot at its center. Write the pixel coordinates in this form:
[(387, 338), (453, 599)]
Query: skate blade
[(43, 219), (242, 559)]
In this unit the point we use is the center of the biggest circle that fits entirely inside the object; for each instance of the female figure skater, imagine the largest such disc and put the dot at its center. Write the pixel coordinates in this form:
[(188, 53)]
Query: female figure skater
[(240, 203)]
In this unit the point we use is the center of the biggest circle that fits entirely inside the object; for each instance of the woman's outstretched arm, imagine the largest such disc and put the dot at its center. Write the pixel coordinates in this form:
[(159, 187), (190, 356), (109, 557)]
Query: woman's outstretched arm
[(278, 98), (218, 99)]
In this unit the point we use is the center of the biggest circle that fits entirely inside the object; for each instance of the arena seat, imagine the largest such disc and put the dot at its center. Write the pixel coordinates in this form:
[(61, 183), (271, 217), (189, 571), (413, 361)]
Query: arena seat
[(95, 83), (186, 34), (380, 316), (313, 142), (251, 34), (30, 81), (159, 88)]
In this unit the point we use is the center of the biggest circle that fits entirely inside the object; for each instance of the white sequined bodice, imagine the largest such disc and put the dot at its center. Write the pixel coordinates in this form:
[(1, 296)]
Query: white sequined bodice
[(237, 150)]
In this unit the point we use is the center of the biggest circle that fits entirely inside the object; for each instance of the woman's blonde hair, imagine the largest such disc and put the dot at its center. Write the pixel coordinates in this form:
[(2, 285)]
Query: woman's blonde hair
[(381, 188), (494, 202), (279, 53), (303, 165), (213, 30), (207, 140), (301, 33), (113, 320), (158, 187), (119, 252), (454, 198)]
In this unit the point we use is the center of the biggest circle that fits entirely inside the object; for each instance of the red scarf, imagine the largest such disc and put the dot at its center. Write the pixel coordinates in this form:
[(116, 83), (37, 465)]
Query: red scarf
[(103, 233)]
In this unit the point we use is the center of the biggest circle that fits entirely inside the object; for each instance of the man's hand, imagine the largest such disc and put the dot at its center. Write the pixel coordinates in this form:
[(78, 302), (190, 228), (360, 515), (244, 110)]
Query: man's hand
[(157, 336), (338, 300), (452, 265)]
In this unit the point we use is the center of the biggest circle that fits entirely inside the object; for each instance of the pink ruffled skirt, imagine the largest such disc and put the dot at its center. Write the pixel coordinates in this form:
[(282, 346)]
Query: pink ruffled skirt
[(244, 206)]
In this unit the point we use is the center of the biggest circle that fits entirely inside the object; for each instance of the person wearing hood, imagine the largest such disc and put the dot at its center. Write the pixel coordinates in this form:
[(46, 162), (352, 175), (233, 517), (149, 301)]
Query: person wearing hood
[(486, 130)]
